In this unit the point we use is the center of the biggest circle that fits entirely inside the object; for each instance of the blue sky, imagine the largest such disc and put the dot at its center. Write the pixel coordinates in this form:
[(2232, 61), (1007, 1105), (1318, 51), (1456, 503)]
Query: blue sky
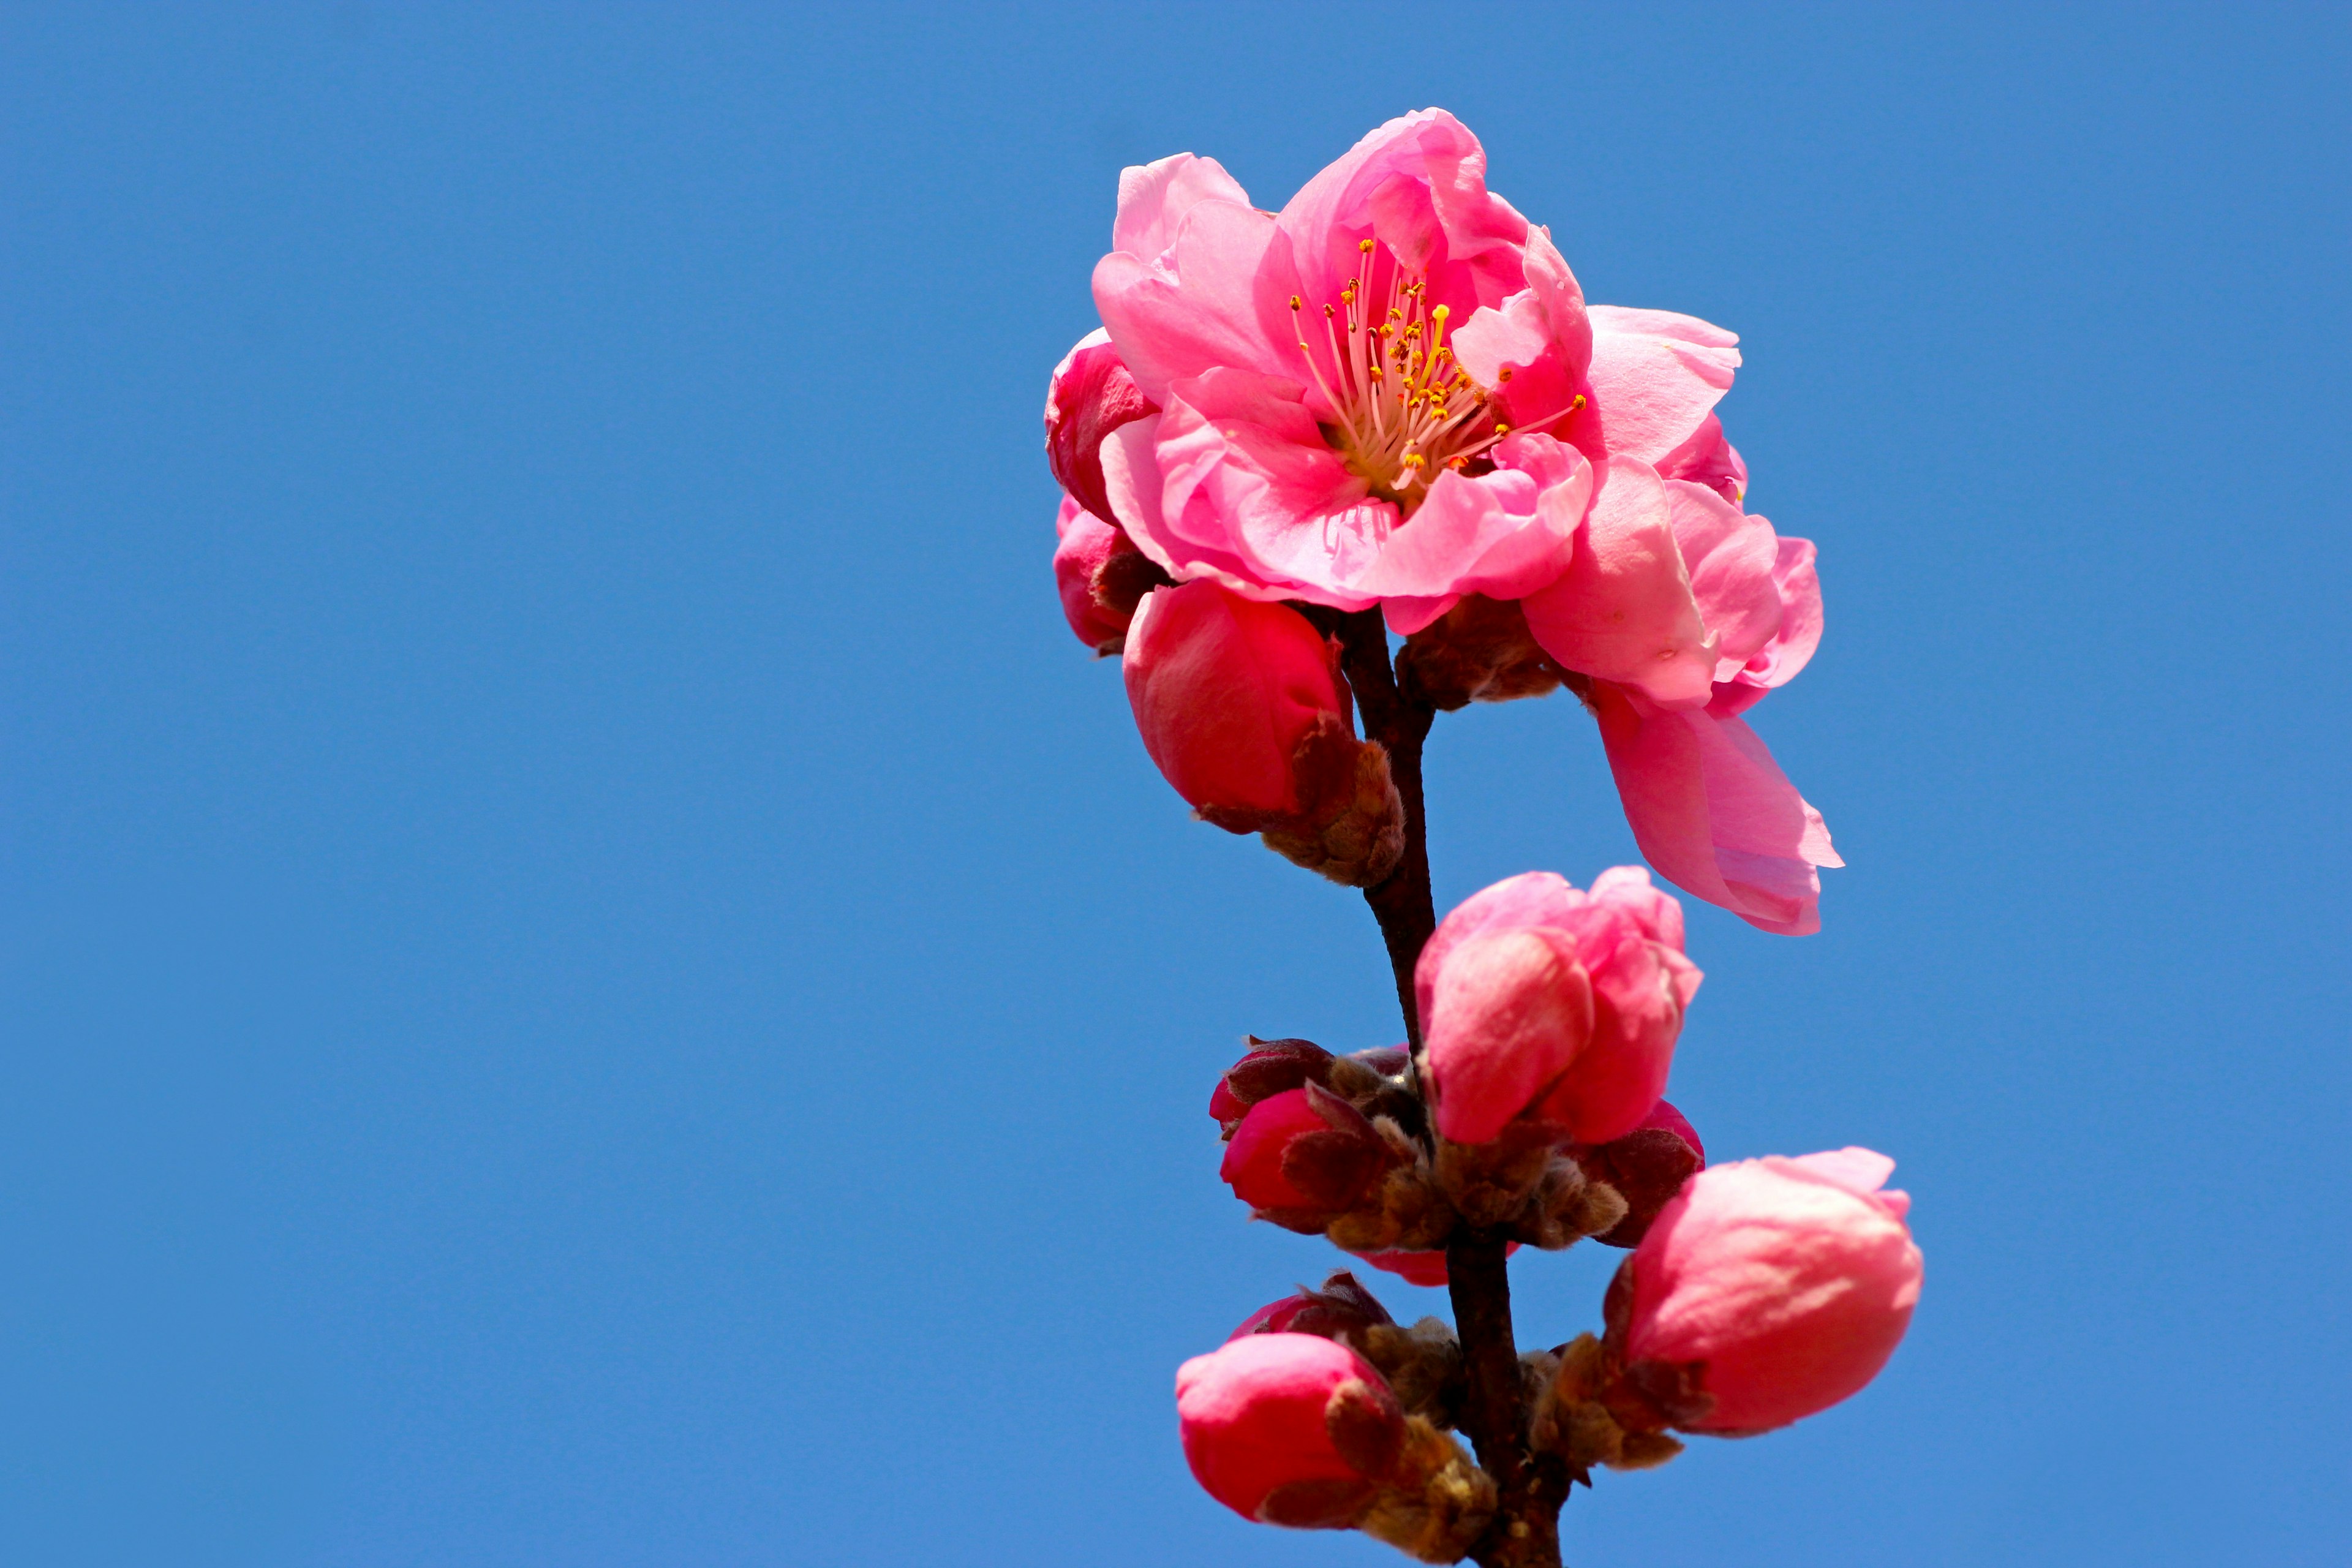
[(593, 978)]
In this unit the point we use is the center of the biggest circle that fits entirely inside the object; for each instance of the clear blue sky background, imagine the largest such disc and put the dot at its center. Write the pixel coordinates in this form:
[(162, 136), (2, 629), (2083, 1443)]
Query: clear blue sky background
[(594, 979)]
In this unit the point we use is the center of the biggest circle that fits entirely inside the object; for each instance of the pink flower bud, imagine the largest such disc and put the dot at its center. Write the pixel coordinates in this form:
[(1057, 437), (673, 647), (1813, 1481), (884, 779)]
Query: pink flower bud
[(1770, 1288), (1303, 1155), (1289, 1429), (1091, 396), (1225, 689), (1535, 997)]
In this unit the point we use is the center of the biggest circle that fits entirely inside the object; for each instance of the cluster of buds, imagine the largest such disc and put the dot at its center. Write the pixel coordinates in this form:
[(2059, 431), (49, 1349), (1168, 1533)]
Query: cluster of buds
[(1755, 1293), (1552, 1020)]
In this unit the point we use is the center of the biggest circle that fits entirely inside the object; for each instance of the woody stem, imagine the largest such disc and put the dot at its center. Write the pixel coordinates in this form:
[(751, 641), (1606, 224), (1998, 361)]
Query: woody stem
[(1526, 1532)]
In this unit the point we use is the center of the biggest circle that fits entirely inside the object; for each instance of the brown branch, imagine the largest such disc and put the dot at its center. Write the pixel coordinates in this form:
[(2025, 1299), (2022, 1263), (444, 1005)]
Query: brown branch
[(1526, 1532), (1401, 903)]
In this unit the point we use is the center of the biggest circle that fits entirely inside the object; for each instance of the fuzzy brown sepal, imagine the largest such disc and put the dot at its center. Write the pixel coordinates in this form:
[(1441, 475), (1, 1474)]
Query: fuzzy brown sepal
[(1492, 1183), (1597, 1409), (1478, 651), (1407, 1213), (1440, 1503), (1422, 1365), (1366, 1081), (1119, 583), (1353, 829), (1566, 1206)]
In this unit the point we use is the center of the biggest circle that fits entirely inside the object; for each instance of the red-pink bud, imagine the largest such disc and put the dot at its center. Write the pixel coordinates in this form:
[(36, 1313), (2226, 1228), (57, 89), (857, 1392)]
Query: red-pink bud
[(1085, 543), (1778, 1286), (1289, 1429), (1535, 997), (1224, 689), (1341, 1309), (1648, 1167), (1091, 396), (1304, 1152)]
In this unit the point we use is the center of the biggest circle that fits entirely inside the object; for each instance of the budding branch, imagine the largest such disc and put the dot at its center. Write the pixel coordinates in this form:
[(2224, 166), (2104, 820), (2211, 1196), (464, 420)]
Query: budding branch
[(1526, 1533)]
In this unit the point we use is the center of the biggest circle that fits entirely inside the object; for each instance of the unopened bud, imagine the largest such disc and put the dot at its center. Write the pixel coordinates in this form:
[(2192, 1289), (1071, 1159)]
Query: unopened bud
[(1241, 706), (1303, 1157), (1768, 1289), (1342, 1310), (1295, 1430), (1561, 1005), (1289, 1429)]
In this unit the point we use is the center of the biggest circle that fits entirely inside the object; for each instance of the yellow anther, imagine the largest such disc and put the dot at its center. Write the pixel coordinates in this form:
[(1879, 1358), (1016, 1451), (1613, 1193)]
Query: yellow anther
[(1329, 312), (1365, 246), (1578, 403), (1502, 429), (1503, 374), (1293, 302)]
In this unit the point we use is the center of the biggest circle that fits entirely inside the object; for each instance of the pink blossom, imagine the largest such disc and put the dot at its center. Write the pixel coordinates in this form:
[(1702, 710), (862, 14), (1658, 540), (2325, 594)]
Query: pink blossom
[(1535, 997), (1224, 689), (1289, 1429), (1391, 393), (1782, 1285)]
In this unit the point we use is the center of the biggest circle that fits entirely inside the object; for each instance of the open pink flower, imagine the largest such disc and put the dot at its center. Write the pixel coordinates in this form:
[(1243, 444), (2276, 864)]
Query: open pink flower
[(1389, 393), (1538, 998), (1770, 1288)]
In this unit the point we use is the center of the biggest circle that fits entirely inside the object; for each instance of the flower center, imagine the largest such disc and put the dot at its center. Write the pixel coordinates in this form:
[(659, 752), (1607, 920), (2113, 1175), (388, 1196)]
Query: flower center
[(1406, 408)]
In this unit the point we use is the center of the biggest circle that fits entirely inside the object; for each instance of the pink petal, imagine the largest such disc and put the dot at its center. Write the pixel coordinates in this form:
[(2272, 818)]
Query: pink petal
[(1623, 611), (1195, 307), (1713, 813), (1706, 458), (1248, 477), (1655, 377), (1154, 198), (1503, 534), (1534, 351), (1418, 186), (1856, 1169), (1729, 555)]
